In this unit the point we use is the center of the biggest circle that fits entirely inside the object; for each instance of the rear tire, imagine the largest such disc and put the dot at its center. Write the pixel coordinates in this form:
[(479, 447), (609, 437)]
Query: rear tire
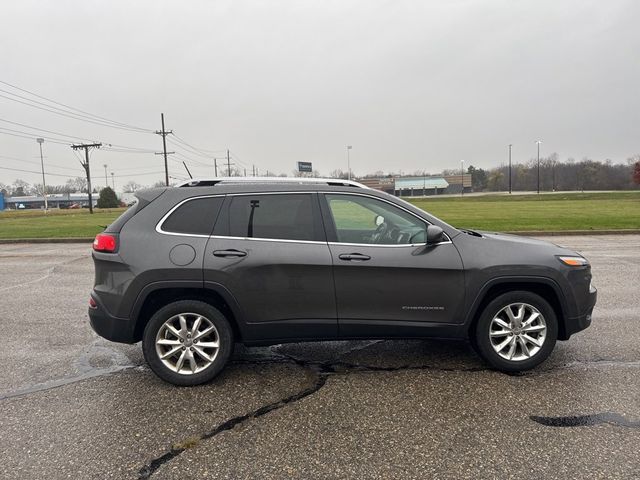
[(517, 331), (187, 342)]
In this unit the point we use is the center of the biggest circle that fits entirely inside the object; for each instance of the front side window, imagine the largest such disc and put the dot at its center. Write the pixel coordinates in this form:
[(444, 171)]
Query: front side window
[(284, 216), (360, 219)]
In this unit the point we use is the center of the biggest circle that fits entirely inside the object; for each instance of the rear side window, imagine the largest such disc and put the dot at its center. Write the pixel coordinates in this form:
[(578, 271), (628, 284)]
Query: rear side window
[(195, 217), (285, 217)]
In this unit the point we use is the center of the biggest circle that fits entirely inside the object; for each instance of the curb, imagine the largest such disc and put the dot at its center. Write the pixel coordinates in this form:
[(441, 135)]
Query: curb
[(558, 233), (525, 233), (46, 240)]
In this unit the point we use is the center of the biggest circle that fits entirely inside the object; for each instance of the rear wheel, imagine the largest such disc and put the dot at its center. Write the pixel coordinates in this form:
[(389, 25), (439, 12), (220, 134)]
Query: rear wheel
[(187, 342), (516, 331)]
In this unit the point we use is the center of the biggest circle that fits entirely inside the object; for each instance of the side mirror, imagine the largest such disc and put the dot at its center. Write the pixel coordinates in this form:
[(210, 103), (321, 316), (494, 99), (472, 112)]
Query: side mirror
[(435, 234)]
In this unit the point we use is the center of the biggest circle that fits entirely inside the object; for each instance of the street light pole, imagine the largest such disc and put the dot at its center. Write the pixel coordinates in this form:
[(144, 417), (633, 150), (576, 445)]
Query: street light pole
[(44, 183), (106, 182), (462, 177), (510, 145), (113, 182), (348, 162), (538, 142)]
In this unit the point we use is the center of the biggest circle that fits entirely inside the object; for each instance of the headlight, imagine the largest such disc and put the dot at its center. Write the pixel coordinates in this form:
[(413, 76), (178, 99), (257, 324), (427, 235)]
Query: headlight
[(574, 261)]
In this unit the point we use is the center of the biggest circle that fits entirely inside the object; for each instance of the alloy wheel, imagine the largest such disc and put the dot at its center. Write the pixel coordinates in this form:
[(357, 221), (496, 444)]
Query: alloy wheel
[(517, 332), (187, 343)]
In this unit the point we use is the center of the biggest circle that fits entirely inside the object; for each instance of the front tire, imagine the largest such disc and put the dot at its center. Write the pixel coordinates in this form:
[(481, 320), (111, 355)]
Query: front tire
[(517, 331), (187, 342)]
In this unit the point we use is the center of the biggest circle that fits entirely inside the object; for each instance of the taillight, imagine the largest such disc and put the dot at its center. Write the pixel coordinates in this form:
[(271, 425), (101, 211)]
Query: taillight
[(92, 303), (105, 243)]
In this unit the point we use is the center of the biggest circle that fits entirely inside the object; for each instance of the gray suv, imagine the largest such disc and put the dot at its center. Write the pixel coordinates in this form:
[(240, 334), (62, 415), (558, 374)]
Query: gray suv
[(193, 269)]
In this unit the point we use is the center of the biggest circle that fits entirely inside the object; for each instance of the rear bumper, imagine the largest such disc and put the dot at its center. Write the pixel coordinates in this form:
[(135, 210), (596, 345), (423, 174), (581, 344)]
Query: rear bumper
[(112, 328), (579, 323)]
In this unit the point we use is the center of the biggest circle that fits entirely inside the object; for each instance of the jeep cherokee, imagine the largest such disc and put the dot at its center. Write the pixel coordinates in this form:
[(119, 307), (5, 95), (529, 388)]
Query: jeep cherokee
[(193, 269)]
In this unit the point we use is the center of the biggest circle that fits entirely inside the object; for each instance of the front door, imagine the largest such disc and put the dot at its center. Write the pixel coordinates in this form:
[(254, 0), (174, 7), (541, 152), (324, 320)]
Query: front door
[(388, 281), (270, 252)]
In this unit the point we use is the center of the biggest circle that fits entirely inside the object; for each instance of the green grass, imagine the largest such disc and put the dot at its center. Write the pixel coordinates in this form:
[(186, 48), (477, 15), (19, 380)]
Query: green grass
[(552, 212), (555, 212), (55, 223)]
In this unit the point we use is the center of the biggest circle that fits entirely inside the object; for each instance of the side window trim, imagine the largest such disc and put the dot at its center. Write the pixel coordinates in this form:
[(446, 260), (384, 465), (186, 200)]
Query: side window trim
[(178, 205), (222, 227)]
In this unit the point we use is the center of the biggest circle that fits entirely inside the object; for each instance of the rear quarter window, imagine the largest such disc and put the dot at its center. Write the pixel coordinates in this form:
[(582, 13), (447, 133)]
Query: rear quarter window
[(195, 217)]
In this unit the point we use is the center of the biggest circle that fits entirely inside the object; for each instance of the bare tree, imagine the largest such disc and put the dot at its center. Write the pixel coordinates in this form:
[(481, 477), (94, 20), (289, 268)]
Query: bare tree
[(131, 187)]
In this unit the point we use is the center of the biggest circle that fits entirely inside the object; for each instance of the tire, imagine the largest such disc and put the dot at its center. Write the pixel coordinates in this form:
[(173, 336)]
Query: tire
[(534, 329), (172, 333)]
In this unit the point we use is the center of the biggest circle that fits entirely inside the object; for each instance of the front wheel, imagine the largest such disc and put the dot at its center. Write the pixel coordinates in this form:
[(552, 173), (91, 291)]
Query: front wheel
[(516, 331), (187, 342)]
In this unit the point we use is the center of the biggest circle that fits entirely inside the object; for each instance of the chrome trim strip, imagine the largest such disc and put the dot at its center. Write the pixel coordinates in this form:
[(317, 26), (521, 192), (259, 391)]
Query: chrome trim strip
[(317, 242), (412, 245)]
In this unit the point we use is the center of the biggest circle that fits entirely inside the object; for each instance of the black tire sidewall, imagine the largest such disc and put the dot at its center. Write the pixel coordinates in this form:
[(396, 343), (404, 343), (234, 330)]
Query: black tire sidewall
[(481, 334), (187, 306)]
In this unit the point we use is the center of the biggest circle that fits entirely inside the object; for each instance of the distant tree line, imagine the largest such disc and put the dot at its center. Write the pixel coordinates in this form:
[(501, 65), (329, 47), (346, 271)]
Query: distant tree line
[(555, 175)]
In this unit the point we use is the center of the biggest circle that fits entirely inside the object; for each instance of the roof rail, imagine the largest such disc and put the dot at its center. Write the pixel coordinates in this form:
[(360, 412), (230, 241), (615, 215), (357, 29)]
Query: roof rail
[(209, 182)]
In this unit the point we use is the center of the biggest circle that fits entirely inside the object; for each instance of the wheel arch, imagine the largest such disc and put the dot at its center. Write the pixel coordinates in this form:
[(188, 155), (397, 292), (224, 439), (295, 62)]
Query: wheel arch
[(545, 287), (159, 294)]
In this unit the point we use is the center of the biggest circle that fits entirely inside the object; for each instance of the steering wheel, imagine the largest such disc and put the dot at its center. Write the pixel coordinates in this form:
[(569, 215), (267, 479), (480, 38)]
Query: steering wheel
[(380, 232)]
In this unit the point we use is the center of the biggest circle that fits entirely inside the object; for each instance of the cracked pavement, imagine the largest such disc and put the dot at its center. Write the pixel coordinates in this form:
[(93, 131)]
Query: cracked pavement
[(75, 406)]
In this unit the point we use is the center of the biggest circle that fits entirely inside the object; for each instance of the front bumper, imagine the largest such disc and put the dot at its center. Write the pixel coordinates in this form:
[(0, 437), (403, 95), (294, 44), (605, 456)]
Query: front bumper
[(112, 328), (579, 323)]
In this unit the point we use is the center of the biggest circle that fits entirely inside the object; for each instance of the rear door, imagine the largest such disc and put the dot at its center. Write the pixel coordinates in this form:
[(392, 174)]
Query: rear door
[(270, 251), (388, 281)]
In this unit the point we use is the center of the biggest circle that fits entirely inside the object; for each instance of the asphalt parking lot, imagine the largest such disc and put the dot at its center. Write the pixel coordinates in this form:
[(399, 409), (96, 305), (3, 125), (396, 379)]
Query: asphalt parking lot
[(75, 406)]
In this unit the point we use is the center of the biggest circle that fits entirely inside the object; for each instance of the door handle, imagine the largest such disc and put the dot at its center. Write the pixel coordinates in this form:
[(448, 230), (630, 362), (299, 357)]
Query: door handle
[(229, 253), (354, 256)]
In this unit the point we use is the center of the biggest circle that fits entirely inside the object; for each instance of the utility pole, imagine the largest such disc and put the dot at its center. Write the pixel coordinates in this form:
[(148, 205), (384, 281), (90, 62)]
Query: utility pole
[(245, 172), (229, 164), (113, 182), (349, 147), (85, 165), (538, 142), (462, 177), (44, 183), (215, 166), (510, 145), (106, 182), (164, 134), (254, 170)]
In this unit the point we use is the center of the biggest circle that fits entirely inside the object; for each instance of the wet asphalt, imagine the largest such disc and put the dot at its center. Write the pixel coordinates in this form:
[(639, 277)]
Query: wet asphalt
[(73, 405)]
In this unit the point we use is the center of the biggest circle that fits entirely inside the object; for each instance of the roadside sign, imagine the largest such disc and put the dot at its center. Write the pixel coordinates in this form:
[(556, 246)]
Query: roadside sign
[(305, 167)]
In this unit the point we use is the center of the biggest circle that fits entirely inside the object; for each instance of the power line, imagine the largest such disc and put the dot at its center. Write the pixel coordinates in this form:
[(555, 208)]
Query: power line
[(202, 151), (30, 136), (34, 171), (68, 114), (73, 108), (42, 130), (50, 165)]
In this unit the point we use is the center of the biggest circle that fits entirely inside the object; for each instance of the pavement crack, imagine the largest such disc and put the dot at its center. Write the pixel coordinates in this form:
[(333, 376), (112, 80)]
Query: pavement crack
[(150, 468), (610, 418), (61, 382), (50, 271)]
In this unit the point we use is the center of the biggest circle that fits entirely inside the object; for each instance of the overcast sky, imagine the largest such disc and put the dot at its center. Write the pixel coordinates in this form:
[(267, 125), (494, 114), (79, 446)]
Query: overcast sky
[(409, 84)]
